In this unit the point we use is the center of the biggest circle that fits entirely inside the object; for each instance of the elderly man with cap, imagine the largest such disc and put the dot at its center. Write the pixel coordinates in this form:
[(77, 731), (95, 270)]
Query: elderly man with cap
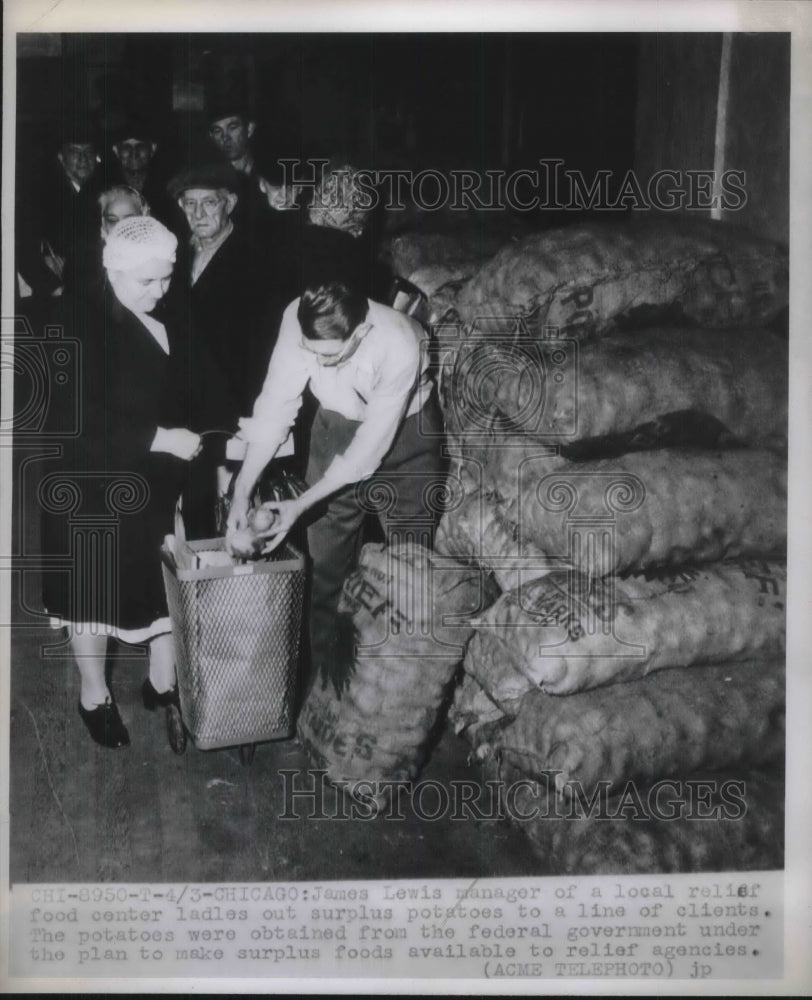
[(223, 277)]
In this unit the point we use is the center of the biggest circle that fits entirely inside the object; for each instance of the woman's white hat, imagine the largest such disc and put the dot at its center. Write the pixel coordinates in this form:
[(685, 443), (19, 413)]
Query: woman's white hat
[(135, 240)]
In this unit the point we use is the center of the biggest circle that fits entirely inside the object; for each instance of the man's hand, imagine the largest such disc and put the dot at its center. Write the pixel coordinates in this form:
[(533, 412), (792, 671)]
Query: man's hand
[(237, 533), (287, 514), (237, 516)]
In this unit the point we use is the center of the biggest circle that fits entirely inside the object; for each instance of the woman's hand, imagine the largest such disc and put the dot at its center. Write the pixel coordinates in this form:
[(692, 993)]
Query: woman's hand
[(55, 264), (287, 514), (178, 441)]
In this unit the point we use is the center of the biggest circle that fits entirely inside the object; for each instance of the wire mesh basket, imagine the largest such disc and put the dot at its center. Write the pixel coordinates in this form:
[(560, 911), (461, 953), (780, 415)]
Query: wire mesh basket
[(237, 630)]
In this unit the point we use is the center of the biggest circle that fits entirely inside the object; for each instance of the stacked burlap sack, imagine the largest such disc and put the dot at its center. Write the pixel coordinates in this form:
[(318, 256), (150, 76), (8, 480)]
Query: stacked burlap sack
[(586, 279), (441, 256), (591, 279), (627, 490), (676, 437), (410, 610)]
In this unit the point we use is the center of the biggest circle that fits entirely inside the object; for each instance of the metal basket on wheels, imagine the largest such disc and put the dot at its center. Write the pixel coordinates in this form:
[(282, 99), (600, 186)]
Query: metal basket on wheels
[(237, 630)]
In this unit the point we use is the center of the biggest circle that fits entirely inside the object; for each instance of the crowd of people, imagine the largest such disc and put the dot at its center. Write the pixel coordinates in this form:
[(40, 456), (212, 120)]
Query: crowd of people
[(225, 322)]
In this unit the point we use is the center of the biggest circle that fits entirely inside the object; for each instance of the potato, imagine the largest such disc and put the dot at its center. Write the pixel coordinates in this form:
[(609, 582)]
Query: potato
[(243, 544), (261, 519)]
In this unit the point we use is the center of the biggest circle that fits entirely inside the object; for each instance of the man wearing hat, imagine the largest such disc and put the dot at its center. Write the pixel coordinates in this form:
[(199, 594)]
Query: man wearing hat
[(134, 147), (222, 275), (232, 130), (56, 212)]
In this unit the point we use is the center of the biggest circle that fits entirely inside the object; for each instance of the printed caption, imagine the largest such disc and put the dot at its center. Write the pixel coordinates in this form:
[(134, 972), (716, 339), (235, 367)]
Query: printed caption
[(670, 927)]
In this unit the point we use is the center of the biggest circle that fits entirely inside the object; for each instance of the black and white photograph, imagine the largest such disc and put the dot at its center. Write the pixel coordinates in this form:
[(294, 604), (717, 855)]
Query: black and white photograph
[(398, 431)]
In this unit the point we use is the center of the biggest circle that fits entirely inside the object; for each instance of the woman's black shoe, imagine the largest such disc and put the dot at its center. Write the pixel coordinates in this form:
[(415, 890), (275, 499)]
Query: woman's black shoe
[(104, 725), (152, 699)]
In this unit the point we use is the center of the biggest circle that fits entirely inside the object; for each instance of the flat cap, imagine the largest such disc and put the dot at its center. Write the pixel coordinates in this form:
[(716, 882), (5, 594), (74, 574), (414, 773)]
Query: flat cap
[(211, 176)]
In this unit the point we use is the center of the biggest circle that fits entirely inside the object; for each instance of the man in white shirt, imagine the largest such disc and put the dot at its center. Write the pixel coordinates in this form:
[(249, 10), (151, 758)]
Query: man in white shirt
[(375, 442)]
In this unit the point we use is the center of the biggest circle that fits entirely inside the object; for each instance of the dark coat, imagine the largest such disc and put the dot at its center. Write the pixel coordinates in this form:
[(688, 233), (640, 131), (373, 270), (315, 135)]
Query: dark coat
[(313, 254), (107, 478), (50, 210), (228, 303)]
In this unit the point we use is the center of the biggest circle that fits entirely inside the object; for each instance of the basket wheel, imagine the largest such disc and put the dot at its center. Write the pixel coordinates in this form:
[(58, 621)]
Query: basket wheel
[(175, 730), (247, 751)]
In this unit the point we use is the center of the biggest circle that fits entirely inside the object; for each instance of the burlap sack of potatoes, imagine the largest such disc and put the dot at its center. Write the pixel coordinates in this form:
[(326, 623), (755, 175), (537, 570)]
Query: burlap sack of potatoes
[(463, 253), (615, 384), (667, 724), (474, 714), (638, 511), (712, 821), (586, 279), (410, 609), (565, 633), (476, 533)]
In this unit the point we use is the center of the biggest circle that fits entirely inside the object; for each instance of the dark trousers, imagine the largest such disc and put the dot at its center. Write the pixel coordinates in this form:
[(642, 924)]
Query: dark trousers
[(404, 494)]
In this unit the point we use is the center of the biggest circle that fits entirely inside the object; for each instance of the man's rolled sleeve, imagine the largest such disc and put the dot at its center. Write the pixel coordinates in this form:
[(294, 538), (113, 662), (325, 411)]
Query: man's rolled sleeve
[(280, 398)]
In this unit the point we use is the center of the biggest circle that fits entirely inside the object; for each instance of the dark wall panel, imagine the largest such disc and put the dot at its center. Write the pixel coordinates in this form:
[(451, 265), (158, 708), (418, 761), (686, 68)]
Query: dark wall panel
[(758, 130), (676, 106)]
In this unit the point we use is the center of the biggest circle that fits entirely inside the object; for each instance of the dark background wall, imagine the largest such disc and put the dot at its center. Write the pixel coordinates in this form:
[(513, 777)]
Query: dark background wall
[(757, 139), (464, 100), (611, 102), (678, 107)]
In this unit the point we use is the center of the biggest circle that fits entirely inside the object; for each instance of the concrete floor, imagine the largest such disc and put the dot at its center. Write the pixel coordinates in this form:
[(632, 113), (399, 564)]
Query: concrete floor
[(83, 813)]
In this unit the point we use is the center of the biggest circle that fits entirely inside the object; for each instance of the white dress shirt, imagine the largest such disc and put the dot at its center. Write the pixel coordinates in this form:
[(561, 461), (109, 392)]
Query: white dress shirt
[(381, 383)]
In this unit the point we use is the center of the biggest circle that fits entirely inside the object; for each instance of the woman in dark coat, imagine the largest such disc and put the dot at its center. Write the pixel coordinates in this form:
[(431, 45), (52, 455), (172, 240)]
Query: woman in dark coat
[(145, 397)]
